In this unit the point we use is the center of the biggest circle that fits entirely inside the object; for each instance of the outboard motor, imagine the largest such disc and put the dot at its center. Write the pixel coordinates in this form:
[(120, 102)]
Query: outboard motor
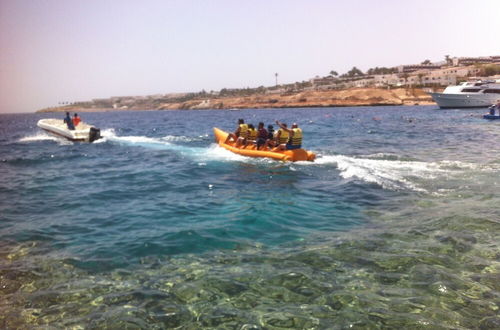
[(94, 134)]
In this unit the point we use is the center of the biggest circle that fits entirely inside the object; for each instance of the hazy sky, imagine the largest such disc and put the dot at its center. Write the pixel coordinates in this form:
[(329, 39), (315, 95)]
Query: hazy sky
[(67, 50)]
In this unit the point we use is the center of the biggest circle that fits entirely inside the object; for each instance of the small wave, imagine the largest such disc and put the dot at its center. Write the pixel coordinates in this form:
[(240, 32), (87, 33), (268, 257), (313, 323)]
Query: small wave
[(203, 154), (389, 174), (389, 156), (110, 135), (393, 172), (215, 152), (45, 137), (38, 137), (457, 165), (400, 173), (105, 134), (174, 138)]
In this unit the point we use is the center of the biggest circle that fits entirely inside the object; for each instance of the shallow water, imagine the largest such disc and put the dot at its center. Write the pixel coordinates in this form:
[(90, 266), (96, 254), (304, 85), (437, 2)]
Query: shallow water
[(395, 225)]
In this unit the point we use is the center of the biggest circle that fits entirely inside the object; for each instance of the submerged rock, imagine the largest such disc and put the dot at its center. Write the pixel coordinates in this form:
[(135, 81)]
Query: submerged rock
[(286, 320), (492, 322), (227, 287), (189, 293)]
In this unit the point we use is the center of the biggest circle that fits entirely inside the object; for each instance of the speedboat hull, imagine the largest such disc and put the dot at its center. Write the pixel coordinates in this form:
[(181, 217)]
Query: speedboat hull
[(251, 150), (491, 117), (83, 132)]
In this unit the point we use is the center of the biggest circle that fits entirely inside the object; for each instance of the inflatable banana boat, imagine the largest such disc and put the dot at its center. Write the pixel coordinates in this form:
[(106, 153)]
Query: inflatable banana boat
[(251, 150)]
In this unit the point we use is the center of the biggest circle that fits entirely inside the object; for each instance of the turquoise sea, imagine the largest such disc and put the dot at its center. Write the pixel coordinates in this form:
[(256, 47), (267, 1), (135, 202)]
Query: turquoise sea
[(396, 225)]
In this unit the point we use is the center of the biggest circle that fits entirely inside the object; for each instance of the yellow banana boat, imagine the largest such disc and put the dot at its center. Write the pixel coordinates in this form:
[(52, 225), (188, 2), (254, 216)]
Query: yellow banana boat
[(251, 150)]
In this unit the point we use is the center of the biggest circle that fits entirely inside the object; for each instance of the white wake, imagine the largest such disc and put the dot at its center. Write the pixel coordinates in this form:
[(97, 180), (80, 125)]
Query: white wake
[(199, 154), (397, 174), (42, 136)]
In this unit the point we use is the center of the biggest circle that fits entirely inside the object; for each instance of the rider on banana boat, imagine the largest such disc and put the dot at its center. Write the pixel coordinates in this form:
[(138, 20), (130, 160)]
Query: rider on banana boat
[(251, 135), (239, 135), (292, 139), (262, 135), (281, 136)]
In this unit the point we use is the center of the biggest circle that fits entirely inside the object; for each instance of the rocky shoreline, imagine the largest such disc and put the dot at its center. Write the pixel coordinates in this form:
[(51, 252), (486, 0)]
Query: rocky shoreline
[(302, 99)]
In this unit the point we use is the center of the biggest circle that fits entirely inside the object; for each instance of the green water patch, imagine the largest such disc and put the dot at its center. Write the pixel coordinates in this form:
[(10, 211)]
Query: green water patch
[(439, 273)]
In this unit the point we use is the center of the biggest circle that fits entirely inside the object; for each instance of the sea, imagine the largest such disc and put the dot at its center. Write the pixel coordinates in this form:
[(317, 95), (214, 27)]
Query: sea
[(395, 225)]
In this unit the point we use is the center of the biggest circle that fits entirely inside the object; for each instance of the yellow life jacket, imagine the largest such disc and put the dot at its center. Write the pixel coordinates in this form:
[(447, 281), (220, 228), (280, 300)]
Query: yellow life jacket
[(243, 130), (252, 134), (284, 136), (296, 139)]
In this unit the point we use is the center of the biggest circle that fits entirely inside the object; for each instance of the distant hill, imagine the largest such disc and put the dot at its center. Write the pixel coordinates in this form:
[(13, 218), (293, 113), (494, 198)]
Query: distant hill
[(257, 99)]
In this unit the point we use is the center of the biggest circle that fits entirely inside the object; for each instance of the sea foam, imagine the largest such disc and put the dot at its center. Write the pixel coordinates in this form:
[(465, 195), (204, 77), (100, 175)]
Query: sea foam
[(397, 174)]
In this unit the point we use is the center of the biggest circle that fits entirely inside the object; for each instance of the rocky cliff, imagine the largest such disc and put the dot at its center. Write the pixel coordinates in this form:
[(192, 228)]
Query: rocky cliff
[(346, 97)]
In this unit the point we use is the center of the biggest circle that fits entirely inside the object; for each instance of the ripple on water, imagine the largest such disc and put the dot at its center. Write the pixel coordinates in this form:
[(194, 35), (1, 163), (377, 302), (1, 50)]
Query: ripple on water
[(441, 276), (394, 226)]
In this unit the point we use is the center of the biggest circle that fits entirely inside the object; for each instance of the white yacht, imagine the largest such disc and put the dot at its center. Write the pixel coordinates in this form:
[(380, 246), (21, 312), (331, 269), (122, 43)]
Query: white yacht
[(82, 132), (477, 94)]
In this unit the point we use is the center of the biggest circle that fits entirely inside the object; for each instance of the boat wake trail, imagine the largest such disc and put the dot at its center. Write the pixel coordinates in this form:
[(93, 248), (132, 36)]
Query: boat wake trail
[(109, 135), (173, 143), (391, 172), (42, 136), (401, 174)]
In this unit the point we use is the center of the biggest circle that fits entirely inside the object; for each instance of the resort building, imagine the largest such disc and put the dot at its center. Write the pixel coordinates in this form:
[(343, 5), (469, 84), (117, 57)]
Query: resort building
[(463, 61), (319, 81), (433, 74), (417, 67)]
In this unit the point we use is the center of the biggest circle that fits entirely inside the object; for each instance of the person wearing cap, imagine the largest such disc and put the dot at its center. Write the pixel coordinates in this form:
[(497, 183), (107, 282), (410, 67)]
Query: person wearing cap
[(281, 136), (493, 107), (239, 135), (492, 110), (289, 139)]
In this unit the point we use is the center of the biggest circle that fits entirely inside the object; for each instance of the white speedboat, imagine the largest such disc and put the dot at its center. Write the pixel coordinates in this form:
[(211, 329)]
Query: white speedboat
[(83, 132), (478, 94)]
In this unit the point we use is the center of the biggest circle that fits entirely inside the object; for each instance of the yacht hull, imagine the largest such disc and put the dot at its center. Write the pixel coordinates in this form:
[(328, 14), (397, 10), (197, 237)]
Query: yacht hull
[(478, 100)]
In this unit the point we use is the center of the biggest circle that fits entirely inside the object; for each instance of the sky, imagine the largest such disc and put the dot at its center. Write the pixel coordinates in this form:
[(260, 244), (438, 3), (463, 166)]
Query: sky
[(55, 51)]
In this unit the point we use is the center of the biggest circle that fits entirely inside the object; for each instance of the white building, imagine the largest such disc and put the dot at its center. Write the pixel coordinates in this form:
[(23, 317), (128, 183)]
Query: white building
[(416, 67), (413, 75), (463, 61)]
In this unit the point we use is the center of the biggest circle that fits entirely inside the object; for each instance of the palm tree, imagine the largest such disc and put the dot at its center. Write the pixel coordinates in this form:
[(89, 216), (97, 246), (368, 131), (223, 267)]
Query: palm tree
[(354, 72), (420, 76), (405, 77), (448, 59)]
